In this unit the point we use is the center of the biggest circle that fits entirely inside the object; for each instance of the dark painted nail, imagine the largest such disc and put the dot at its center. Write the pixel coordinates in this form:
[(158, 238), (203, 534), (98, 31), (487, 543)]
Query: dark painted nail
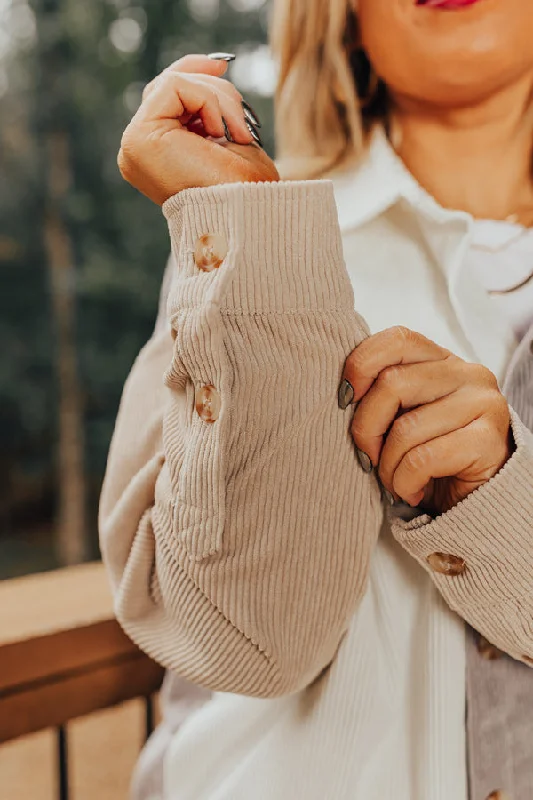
[(250, 114), (346, 394), (388, 497), (222, 56), (228, 135), (365, 462), (255, 135)]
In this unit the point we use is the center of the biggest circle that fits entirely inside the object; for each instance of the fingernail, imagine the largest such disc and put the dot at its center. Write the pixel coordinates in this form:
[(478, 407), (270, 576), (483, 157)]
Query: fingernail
[(365, 461), (255, 135), (222, 56), (250, 114), (388, 497), (228, 135), (346, 394)]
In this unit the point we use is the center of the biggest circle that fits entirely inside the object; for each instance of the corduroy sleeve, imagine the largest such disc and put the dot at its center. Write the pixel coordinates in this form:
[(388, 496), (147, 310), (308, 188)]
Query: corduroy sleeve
[(491, 530), (239, 553)]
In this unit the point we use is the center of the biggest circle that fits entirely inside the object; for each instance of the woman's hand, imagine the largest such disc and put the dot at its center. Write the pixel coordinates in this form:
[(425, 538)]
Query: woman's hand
[(166, 148), (435, 426)]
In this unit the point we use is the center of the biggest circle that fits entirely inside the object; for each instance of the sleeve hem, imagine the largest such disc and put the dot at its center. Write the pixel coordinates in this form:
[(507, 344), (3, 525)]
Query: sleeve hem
[(280, 242), (491, 530)]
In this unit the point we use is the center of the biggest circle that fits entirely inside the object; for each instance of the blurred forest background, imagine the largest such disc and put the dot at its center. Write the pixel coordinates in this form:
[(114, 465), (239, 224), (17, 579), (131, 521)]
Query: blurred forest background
[(81, 253)]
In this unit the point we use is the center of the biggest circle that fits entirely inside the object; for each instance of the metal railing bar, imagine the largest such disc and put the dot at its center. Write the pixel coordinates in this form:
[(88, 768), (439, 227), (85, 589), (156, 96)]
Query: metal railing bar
[(149, 715), (62, 763)]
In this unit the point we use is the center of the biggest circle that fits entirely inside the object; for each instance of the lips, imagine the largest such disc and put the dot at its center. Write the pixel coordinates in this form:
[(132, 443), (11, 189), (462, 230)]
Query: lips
[(447, 5)]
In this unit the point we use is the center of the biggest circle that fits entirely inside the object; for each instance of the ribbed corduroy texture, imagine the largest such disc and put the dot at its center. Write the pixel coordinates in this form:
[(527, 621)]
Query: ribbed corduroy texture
[(497, 691), (492, 529), (500, 690), (232, 559)]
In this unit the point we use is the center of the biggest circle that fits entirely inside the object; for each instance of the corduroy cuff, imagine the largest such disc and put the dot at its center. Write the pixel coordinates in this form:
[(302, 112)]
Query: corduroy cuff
[(492, 531), (282, 242)]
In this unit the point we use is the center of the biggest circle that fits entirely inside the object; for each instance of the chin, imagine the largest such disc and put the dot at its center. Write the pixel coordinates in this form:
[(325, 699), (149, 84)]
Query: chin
[(464, 83), (452, 53)]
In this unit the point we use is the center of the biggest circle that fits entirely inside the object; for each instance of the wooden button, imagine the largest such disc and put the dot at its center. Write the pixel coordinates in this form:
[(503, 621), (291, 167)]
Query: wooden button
[(528, 660), (498, 795), (446, 564), (487, 650), (208, 403), (210, 251)]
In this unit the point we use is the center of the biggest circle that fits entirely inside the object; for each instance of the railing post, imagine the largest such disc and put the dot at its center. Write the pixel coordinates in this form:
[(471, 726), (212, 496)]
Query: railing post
[(62, 763), (149, 715)]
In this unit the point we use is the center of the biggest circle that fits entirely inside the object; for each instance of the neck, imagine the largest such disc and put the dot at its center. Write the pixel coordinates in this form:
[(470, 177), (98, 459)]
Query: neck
[(478, 159)]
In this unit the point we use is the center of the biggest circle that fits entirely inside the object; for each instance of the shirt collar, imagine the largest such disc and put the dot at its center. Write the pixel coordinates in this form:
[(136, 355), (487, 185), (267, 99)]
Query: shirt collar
[(367, 190), (381, 181)]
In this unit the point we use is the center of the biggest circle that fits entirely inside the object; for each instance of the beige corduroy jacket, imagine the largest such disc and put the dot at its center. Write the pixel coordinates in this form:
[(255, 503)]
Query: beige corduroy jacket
[(235, 522)]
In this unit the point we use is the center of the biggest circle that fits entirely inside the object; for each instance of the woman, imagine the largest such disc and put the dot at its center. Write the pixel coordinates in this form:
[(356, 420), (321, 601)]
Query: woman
[(239, 529)]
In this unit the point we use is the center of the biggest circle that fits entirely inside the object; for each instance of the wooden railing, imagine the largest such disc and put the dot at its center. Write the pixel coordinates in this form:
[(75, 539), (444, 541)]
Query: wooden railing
[(63, 656)]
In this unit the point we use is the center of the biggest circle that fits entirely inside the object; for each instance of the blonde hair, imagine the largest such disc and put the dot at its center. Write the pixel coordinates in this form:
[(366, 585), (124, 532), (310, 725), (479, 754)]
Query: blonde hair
[(327, 97)]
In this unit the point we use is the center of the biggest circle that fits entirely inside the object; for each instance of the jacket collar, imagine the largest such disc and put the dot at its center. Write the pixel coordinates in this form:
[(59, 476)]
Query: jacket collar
[(381, 181)]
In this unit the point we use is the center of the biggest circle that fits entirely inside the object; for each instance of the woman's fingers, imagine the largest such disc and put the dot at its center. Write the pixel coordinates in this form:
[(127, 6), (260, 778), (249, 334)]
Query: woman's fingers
[(428, 422), (182, 98), (230, 100), (178, 96), (167, 146), (398, 388), (386, 349), (204, 70), (423, 415), (199, 62), (189, 64), (472, 455)]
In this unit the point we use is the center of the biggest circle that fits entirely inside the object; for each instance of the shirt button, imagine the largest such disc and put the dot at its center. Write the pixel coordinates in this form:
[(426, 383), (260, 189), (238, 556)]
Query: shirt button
[(528, 660), (210, 251), (446, 564), (498, 795), (208, 403), (487, 650)]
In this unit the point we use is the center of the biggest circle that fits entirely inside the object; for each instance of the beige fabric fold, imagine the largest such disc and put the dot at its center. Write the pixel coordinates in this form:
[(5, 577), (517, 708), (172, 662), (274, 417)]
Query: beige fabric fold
[(239, 550)]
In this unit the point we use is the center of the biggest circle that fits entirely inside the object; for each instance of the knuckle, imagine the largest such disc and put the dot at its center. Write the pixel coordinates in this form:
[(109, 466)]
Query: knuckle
[(402, 333), (416, 459), (169, 81), (483, 376), (496, 401), (354, 362), (482, 435), (124, 165), (503, 410), (403, 427), (390, 379), (128, 152), (121, 163), (148, 89), (498, 418), (453, 362), (128, 142), (231, 89), (168, 77)]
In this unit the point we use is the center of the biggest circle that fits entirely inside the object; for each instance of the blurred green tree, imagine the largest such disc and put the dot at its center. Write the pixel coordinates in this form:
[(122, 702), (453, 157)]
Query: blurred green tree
[(81, 253)]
